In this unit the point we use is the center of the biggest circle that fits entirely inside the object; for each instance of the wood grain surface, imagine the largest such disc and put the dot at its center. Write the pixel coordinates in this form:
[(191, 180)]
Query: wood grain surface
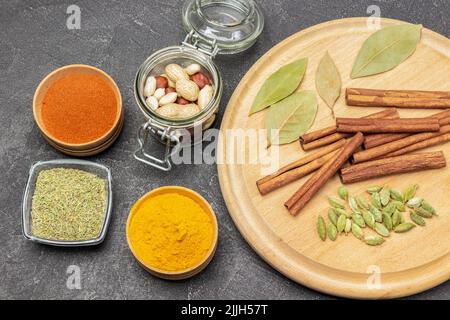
[(408, 263)]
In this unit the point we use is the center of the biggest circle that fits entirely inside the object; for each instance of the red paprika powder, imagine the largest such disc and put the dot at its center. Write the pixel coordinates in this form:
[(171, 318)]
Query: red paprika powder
[(79, 108)]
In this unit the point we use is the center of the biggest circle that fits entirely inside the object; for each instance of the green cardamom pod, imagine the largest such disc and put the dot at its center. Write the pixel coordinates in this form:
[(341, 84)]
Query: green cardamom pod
[(336, 203), (396, 219), (341, 223), (357, 231), (425, 205), (343, 192), (402, 218), (369, 219), (385, 196), (376, 201), (390, 209), (397, 195), (362, 203), (417, 219), (400, 206), (333, 216), (387, 220), (353, 204), (410, 192), (373, 189), (341, 212), (404, 227), (376, 214), (381, 229), (348, 226), (321, 228), (423, 213), (414, 202), (358, 220), (332, 232), (374, 240)]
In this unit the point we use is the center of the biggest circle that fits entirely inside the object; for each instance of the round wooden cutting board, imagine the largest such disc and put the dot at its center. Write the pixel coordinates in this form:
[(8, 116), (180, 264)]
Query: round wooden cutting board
[(406, 263)]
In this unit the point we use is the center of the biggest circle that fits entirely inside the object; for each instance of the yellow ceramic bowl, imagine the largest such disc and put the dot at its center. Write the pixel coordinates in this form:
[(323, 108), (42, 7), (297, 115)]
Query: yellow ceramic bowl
[(61, 73), (191, 271)]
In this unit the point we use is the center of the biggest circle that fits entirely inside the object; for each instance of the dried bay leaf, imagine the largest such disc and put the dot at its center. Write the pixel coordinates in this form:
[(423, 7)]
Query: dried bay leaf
[(385, 49), (328, 81), (280, 85), (292, 116)]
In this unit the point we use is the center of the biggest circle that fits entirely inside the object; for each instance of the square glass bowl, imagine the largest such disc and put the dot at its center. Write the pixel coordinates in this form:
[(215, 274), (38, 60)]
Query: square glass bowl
[(91, 167)]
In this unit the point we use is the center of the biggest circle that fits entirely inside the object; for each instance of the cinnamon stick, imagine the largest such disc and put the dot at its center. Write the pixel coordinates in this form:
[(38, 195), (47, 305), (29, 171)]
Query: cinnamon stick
[(421, 145), (388, 148), (294, 174), (325, 136), (397, 98), (374, 140), (284, 175), (325, 141), (399, 93), (318, 180), (411, 125), (393, 165)]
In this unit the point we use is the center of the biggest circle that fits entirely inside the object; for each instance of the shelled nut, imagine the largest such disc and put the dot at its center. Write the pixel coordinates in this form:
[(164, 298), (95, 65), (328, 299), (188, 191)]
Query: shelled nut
[(168, 98), (150, 86)]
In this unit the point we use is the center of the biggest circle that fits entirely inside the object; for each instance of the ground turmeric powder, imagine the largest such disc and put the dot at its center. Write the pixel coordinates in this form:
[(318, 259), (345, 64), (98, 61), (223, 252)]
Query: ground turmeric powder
[(170, 231)]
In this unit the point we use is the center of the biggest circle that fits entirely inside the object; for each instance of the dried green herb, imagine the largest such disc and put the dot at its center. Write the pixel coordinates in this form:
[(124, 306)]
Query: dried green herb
[(328, 81), (321, 228), (279, 85), (288, 119), (68, 204), (385, 49)]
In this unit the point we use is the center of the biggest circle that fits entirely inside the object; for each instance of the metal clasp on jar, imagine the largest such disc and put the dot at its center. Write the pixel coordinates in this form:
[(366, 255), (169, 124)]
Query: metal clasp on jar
[(167, 135)]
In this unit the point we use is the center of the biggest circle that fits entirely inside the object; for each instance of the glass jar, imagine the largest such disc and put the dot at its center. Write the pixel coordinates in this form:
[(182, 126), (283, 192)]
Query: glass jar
[(214, 27)]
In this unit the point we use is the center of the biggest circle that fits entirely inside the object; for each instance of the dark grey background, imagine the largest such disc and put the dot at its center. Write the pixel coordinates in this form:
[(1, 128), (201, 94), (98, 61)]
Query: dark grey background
[(118, 36)]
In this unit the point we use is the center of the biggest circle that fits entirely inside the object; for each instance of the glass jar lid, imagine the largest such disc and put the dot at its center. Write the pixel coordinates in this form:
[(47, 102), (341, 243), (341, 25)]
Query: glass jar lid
[(222, 26)]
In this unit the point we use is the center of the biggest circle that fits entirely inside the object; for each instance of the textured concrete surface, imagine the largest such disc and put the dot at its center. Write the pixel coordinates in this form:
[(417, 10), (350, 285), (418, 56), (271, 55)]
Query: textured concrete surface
[(117, 36)]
